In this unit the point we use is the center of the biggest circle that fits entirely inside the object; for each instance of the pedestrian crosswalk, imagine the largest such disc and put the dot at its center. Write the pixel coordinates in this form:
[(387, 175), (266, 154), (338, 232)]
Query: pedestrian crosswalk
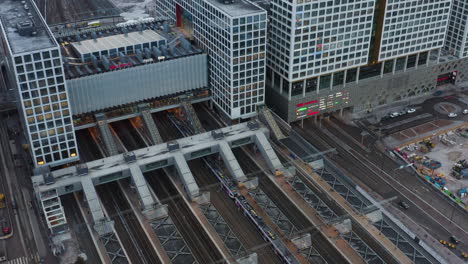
[(33, 259)]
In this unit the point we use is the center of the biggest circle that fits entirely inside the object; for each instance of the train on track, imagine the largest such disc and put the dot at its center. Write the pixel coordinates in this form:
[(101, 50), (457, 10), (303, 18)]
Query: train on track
[(231, 189)]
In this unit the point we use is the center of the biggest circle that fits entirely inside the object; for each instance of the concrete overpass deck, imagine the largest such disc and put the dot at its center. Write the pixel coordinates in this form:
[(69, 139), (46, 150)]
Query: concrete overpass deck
[(133, 164)]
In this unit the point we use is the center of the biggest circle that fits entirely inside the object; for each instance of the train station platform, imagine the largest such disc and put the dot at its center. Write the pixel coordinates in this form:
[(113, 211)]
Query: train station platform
[(133, 164)]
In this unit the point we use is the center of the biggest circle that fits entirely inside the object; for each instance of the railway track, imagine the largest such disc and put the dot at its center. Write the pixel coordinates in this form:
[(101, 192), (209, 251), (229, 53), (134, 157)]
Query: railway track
[(191, 230), (86, 146), (126, 132), (135, 241), (356, 167), (290, 210), (166, 128), (243, 229), (78, 225), (67, 11)]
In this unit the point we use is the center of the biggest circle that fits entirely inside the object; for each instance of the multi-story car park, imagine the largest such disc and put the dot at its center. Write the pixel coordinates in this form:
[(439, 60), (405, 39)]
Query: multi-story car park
[(36, 73), (387, 51), (233, 33), (457, 33)]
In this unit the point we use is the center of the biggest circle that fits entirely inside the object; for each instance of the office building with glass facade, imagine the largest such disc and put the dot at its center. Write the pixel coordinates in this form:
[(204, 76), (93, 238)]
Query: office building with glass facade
[(326, 56), (35, 71), (233, 33), (456, 42)]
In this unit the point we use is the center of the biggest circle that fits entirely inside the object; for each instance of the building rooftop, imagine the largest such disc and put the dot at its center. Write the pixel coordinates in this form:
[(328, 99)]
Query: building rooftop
[(177, 46), (236, 8), (24, 27), (116, 41)]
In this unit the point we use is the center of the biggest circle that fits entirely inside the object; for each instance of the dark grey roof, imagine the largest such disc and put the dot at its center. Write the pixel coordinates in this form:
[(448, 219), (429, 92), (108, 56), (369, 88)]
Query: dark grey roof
[(14, 13)]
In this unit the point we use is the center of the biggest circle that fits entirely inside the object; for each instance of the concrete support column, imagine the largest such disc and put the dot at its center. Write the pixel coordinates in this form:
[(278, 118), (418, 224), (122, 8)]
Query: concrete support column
[(93, 200), (289, 91), (304, 88), (231, 162), (267, 152), (417, 60), (357, 74), (427, 58), (273, 79), (382, 69), (281, 85), (344, 78), (406, 64), (438, 56), (186, 176), (331, 81), (394, 66), (318, 84), (151, 208)]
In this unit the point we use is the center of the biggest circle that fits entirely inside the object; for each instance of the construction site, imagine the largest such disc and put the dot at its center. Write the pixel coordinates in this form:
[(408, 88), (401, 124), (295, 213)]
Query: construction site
[(442, 160)]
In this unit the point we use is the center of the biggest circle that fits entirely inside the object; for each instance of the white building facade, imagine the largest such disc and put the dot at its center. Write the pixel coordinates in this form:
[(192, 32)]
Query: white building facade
[(411, 27), (234, 36), (309, 39), (456, 41), (35, 70)]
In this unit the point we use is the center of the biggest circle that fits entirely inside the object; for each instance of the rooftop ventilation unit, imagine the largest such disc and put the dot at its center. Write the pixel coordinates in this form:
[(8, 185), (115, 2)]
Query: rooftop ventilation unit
[(25, 28), (105, 62), (185, 44), (166, 27), (147, 53), (123, 58)]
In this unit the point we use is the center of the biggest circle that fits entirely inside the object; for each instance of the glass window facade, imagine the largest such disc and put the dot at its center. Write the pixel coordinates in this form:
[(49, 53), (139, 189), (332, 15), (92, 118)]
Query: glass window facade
[(456, 41), (235, 41), (310, 38), (45, 106), (413, 26)]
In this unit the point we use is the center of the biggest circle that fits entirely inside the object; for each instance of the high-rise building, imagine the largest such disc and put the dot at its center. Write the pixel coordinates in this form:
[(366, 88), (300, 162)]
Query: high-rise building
[(411, 27), (233, 33), (35, 71), (456, 41), (325, 56), (310, 39)]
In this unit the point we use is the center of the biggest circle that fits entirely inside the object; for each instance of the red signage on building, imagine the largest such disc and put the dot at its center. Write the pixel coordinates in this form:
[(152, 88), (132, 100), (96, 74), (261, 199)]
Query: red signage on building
[(119, 65)]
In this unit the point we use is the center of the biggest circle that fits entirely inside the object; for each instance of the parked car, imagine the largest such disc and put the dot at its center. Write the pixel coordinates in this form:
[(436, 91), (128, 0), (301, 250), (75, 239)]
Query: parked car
[(394, 114), (465, 112), (451, 115), (402, 113), (384, 118), (403, 205), (454, 239), (6, 230), (412, 110)]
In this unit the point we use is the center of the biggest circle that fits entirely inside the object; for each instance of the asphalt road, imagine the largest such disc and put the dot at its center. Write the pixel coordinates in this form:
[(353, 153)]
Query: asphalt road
[(365, 168), (427, 107), (30, 235)]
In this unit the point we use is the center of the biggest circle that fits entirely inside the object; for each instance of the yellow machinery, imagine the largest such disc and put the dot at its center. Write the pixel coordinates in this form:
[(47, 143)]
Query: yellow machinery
[(2, 200)]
